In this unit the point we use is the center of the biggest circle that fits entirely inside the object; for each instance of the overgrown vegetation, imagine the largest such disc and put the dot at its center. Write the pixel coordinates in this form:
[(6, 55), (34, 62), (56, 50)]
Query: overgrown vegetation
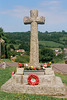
[(5, 74)]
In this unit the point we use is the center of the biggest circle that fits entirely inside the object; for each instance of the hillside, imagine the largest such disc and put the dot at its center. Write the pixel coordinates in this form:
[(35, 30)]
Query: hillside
[(51, 44), (48, 39)]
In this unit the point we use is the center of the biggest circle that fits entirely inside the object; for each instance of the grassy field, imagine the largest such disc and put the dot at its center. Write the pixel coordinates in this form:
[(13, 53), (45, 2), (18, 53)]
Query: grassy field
[(45, 43), (50, 44), (5, 74), (63, 38)]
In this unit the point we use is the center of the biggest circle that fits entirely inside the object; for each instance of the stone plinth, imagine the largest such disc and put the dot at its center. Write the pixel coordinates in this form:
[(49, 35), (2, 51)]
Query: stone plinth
[(43, 79), (20, 71), (49, 71), (50, 85), (17, 79)]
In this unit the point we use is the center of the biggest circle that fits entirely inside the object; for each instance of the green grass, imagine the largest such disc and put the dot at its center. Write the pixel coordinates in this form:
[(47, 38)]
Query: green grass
[(63, 77), (50, 44), (57, 60), (5, 74), (55, 48)]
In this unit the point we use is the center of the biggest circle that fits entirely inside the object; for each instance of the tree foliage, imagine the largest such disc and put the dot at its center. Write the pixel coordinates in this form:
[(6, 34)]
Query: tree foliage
[(12, 47), (22, 59), (1, 32), (46, 55), (21, 40)]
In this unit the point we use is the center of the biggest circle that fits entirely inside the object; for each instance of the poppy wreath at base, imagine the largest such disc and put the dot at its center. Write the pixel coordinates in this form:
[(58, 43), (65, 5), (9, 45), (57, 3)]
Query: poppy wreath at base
[(33, 79)]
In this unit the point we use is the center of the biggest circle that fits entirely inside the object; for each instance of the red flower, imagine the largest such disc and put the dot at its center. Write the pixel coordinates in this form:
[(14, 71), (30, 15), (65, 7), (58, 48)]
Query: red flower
[(34, 68), (20, 64), (13, 72), (48, 64)]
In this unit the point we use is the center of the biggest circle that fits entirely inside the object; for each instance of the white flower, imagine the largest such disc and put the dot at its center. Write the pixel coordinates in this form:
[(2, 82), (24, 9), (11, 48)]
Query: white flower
[(43, 67), (26, 64)]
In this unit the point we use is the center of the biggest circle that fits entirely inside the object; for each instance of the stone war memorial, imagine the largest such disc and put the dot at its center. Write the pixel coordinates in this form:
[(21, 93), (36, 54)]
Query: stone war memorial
[(42, 82), (34, 20)]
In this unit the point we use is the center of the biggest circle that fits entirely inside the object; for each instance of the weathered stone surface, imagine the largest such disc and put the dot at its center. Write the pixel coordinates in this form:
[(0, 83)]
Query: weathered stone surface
[(20, 71), (43, 79), (49, 71), (34, 20), (17, 78), (46, 89)]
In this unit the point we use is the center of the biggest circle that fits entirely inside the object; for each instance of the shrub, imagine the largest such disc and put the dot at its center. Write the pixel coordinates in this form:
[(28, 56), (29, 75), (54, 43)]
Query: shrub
[(65, 61), (22, 59), (58, 59)]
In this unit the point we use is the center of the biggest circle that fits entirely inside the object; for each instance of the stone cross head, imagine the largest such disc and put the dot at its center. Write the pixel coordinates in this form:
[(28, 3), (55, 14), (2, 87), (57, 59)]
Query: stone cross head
[(34, 18)]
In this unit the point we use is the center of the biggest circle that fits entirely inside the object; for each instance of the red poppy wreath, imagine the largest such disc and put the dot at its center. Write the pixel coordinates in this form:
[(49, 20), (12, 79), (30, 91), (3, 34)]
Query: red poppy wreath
[(33, 79)]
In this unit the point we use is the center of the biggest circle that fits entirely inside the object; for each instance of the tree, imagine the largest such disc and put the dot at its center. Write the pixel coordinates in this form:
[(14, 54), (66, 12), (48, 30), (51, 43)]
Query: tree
[(3, 37), (12, 47), (1, 33), (63, 31), (12, 41), (0, 50), (25, 46), (66, 43), (46, 54), (46, 32)]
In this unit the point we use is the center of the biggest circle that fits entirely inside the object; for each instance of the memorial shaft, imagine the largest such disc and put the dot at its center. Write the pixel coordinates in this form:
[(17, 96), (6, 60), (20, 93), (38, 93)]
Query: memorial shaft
[(34, 48), (34, 20)]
